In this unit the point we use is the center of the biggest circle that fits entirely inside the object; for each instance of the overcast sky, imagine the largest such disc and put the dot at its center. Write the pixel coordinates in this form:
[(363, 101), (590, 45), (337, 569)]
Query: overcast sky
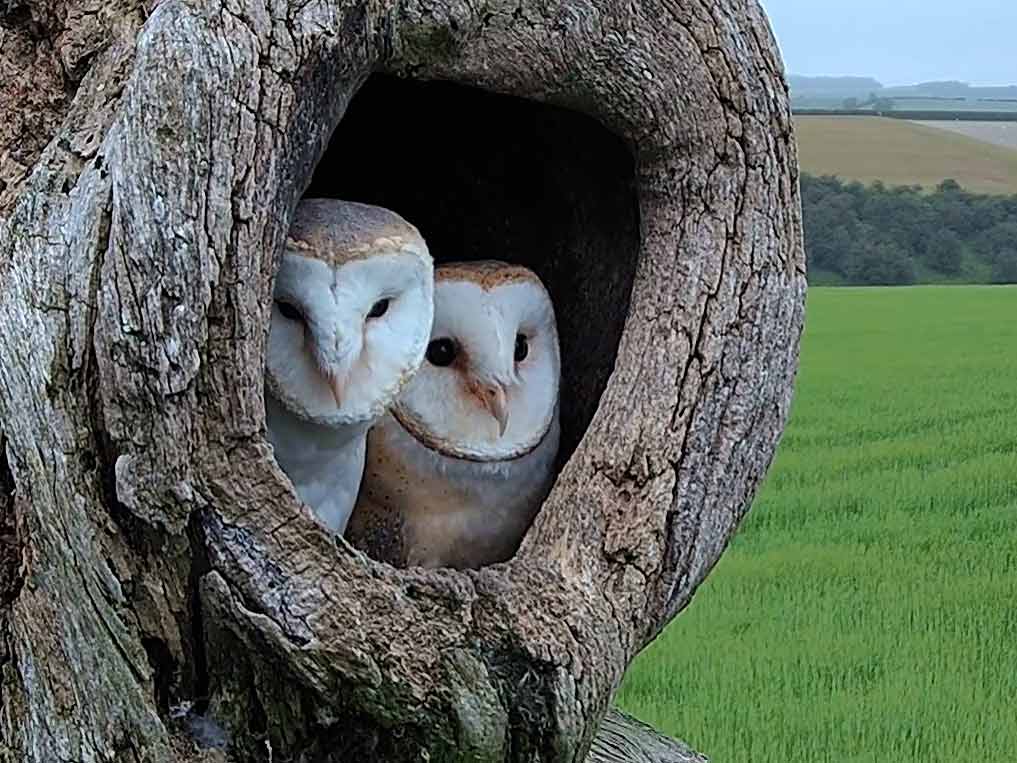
[(899, 41)]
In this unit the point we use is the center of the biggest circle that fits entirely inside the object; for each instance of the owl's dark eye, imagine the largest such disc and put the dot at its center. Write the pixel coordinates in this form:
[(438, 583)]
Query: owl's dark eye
[(289, 312), (379, 308), (441, 352), (522, 348)]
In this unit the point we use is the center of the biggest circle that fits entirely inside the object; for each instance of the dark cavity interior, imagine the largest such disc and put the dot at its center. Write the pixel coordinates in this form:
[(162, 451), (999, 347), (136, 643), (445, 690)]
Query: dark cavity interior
[(487, 176)]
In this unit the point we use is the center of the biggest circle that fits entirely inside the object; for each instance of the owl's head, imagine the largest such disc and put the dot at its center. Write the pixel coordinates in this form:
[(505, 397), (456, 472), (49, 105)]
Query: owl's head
[(488, 387), (352, 312)]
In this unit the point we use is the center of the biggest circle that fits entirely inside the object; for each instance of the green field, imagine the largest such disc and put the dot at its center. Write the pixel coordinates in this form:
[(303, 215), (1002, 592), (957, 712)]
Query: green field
[(898, 152), (867, 611)]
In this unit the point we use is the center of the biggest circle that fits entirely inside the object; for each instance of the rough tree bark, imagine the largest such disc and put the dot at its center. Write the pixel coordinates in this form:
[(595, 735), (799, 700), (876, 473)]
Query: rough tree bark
[(152, 555)]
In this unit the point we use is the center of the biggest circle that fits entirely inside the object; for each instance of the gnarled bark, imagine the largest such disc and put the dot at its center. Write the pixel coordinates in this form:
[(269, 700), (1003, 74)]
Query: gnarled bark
[(623, 739), (159, 558)]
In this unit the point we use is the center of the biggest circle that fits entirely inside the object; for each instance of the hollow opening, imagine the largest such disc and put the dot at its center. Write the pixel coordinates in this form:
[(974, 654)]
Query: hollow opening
[(487, 176)]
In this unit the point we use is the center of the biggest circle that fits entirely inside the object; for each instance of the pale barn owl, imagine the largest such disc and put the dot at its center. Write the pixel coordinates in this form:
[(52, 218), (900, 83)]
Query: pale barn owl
[(350, 323), (460, 465)]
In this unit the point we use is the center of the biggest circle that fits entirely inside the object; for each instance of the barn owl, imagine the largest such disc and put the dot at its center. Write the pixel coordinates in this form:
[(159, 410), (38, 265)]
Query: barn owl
[(460, 465), (353, 305)]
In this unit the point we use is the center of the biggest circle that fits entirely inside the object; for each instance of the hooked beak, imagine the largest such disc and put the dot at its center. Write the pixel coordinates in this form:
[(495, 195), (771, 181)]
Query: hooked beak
[(492, 397), (334, 361), (337, 388)]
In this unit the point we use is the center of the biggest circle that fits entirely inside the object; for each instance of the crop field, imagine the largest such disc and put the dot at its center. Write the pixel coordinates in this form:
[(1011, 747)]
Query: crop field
[(867, 611), (899, 152), (1000, 133)]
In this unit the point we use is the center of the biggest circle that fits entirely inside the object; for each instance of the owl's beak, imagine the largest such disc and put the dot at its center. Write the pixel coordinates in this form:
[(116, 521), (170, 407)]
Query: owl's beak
[(337, 388), (493, 399)]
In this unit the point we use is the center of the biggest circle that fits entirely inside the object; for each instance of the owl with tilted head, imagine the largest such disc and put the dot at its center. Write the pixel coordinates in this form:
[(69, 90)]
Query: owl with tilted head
[(459, 466), (353, 304)]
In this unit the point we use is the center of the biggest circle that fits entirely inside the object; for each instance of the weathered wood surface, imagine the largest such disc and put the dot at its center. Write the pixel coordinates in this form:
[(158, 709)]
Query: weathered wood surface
[(153, 553), (623, 739)]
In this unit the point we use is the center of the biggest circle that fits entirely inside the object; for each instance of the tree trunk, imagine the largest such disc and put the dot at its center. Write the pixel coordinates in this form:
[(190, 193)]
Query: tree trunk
[(623, 739), (160, 582)]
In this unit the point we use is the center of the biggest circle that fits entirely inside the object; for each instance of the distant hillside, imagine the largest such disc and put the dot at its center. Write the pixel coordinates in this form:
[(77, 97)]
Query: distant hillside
[(868, 93), (951, 90), (833, 86), (898, 152)]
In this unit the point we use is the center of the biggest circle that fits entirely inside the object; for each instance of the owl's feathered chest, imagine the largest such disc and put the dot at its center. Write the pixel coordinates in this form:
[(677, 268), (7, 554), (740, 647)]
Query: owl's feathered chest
[(448, 511), (325, 464)]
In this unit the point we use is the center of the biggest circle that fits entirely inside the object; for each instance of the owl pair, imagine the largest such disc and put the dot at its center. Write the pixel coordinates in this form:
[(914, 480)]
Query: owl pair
[(414, 409)]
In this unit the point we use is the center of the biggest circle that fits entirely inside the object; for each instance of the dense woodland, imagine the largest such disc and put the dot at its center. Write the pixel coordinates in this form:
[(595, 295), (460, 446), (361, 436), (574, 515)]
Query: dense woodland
[(856, 234)]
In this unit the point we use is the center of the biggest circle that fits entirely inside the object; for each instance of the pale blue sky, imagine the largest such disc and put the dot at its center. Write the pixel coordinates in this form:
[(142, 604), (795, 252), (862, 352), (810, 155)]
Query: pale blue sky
[(899, 41)]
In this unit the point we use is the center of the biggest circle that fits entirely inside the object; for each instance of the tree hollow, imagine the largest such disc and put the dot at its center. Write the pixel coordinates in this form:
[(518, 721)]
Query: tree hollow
[(489, 176)]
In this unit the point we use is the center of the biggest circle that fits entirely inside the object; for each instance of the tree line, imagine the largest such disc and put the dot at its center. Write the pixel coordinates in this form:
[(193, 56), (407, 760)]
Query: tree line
[(875, 235)]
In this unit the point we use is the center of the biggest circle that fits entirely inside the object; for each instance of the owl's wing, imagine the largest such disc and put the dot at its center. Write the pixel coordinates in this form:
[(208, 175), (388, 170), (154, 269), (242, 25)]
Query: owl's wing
[(377, 530)]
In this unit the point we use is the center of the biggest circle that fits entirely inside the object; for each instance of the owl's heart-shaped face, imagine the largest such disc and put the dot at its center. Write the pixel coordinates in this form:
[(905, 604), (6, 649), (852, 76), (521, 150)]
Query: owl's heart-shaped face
[(352, 312), (488, 387)]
